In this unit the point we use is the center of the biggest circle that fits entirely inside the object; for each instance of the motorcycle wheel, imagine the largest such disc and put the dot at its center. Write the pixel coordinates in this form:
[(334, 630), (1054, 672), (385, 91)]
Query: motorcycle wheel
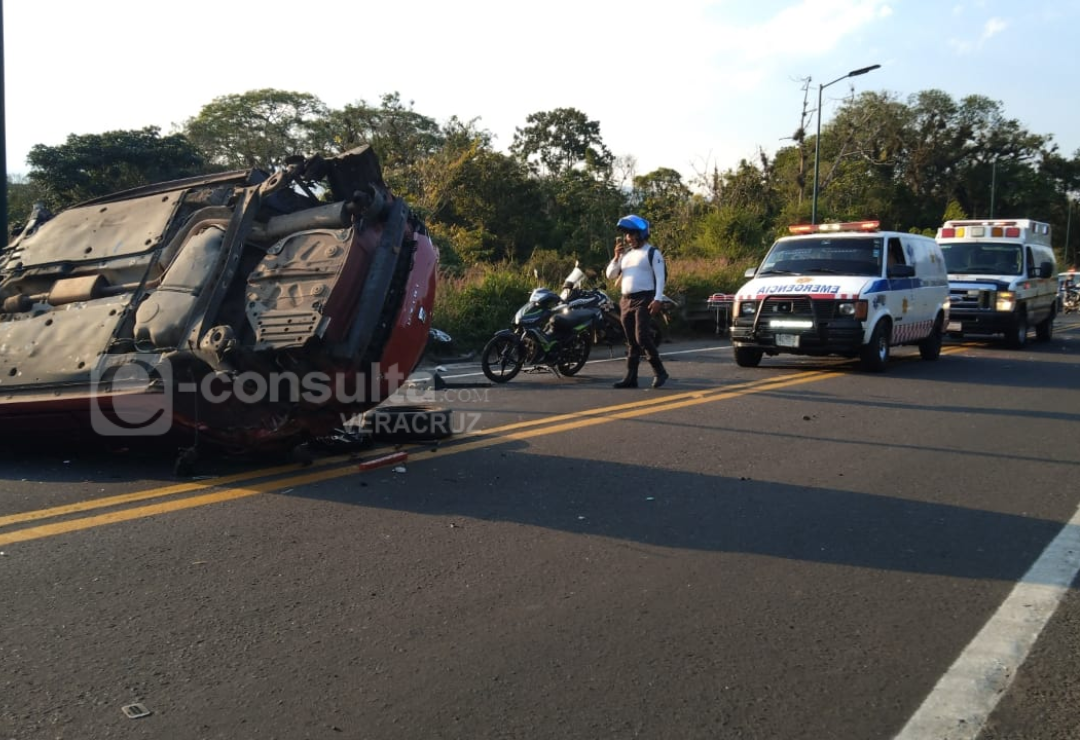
[(575, 354), (613, 332), (502, 358)]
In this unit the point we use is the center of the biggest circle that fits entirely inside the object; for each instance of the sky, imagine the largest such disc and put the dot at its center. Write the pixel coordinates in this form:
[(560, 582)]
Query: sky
[(690, 85)]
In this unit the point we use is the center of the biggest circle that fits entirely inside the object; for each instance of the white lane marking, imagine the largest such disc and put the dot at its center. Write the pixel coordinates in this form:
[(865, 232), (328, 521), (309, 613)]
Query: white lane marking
[(961, 702)]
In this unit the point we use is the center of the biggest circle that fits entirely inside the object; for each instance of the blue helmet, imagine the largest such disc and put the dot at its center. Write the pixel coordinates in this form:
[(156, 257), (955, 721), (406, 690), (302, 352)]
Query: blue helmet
[(633, 223)]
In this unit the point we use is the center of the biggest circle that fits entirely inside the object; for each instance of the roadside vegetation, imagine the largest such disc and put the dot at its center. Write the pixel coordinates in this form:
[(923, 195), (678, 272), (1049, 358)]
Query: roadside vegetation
[(507, 222)]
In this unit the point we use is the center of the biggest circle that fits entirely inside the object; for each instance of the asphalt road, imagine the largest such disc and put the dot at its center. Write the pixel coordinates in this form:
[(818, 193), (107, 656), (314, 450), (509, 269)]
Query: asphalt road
[(797, 551)]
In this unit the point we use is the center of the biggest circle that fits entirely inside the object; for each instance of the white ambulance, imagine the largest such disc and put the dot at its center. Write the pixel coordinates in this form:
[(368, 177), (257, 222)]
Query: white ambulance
[(845, 289), (1001, 278)]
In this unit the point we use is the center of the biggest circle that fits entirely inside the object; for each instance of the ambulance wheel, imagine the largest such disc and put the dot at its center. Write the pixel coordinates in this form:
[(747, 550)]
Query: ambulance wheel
[(1018, 330), (875, 355), (748, 356), (930, 348), (1044, 331)]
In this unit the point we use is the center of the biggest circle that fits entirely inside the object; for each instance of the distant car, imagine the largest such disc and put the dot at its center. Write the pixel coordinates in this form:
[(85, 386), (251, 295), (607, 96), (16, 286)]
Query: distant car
[(246, 310)]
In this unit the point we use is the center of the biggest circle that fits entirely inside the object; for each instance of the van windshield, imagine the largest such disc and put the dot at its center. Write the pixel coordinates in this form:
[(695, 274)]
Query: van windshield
[(978, 258), (824, 256)]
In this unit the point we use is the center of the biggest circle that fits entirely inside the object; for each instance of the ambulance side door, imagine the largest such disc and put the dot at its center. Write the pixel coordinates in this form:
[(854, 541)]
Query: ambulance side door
[(901, 295)]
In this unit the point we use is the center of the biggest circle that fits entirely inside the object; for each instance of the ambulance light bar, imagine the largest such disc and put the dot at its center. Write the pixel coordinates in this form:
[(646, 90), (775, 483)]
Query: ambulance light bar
[(992, 229), (824, 228), (958, 232)]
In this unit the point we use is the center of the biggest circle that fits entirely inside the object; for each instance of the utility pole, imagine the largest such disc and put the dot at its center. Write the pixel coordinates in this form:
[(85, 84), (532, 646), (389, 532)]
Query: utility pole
[(993, 186), (1068, 223), (817, 138)]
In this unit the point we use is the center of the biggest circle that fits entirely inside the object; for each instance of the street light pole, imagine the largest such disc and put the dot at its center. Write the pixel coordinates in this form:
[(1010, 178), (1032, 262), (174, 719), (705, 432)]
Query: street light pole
[(1068, 223), (817, 138)]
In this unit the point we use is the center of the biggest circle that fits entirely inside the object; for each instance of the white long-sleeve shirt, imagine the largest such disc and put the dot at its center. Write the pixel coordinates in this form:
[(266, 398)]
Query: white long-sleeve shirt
[(636, 272)]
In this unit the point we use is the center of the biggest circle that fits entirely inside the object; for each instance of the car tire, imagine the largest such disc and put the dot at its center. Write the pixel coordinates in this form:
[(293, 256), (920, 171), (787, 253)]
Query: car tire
[(748, 356), (930, 348), (1044, 330), (1018, 330), (875, 355)]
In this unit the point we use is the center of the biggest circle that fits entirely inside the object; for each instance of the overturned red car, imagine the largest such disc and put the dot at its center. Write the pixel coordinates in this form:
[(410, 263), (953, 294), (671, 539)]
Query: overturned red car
[(245, 310)]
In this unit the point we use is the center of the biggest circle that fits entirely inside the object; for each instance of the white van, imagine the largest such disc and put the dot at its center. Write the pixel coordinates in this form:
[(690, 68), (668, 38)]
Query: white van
[(845, 289), (1001, 278)]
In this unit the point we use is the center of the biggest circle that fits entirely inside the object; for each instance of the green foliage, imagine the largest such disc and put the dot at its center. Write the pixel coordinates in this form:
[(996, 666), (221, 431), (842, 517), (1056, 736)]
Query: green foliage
[(22, 194), (259, 128), (472, 306), (555, 142), (668, 204), (92, 165), (694, 280), (491, 200), (953, 212), (729, 234)]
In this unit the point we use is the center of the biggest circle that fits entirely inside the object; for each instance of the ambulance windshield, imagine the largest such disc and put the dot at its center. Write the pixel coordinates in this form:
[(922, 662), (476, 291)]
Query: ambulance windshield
[(975, 258), (826, 255)]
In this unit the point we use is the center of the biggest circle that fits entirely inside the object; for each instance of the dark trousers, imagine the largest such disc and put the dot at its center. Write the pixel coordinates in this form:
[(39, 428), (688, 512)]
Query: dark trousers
[(635, 317)]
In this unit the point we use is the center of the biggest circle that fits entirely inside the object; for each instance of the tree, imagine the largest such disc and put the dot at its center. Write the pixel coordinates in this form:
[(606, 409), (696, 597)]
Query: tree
[(582, 211), (259, 128), (492, 210), (400, 136), (663, 199), (93, 165), (433, 177), (558, 141), (862, 152), (22, 195)]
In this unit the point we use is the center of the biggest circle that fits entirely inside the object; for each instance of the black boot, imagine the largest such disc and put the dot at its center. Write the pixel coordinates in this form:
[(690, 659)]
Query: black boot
[(660, 374), (630, 379)]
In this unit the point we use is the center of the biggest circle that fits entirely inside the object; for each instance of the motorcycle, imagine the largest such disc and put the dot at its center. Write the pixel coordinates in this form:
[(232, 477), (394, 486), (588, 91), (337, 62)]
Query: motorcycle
[(609, 329), (1070, 302), (546, 334)]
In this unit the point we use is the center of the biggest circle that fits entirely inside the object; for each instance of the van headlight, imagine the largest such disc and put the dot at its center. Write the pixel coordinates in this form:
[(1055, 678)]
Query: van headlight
[(1006, 301), (746, 308), (852, 309)]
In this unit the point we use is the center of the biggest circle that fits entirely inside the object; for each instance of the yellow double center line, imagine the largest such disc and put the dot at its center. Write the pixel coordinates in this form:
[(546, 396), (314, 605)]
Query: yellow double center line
[(341, 466)]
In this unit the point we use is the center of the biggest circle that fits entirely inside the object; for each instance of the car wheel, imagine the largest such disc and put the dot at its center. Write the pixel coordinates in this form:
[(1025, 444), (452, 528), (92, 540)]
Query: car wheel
[(1044, 330), (748, 356), (875, 355), (1018, 332), (930, 348)]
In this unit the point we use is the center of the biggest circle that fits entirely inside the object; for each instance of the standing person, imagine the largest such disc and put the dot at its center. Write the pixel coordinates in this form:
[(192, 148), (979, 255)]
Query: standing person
[(640, 266)]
